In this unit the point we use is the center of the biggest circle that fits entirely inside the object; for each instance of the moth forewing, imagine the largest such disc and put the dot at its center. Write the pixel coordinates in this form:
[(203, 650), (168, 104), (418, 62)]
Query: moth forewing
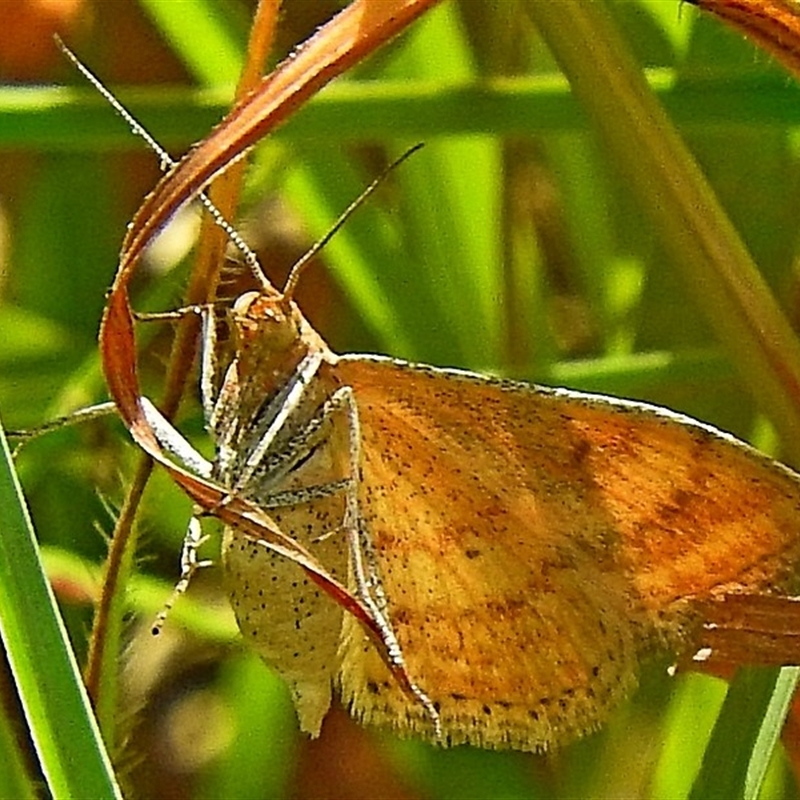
[(541, 544)]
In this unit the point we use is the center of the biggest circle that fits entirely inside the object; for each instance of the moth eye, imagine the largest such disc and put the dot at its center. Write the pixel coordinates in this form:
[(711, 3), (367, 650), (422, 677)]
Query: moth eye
[(243, 303)]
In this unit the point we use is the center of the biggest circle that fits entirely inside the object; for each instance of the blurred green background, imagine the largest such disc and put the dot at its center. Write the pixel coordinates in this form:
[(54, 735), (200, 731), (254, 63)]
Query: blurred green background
[(510, 244)]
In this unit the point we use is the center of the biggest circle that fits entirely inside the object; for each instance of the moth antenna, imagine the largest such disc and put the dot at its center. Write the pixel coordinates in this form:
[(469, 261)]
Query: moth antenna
[(297, 269), (166, 162)]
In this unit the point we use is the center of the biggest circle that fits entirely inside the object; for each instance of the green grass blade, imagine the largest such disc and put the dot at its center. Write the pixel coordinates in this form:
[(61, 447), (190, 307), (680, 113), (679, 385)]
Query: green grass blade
[(745, 734), (203, 35), (695, 706), (76, 119), (63, 728), (772, 725)]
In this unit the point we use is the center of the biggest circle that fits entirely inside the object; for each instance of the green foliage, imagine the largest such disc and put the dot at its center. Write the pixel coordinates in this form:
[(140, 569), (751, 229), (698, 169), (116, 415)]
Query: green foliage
[(512, 243), (71, 753)]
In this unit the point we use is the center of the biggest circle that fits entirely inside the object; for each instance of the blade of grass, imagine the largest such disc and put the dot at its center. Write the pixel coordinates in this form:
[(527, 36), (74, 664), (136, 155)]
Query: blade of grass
[(75, 120), (204, 35), (770, 731), (691, 716), (738, 754), (452, 219), (62, 725)]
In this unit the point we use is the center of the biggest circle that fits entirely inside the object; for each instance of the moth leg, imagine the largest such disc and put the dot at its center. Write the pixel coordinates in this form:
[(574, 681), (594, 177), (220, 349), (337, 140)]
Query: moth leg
[(300, 448), (190, 564), (295, 452), (220, 411), (73, 418), (221, 402), (165, 316), (369, 586), (173, 441), (276, 415), (305, 494), (208, 365)]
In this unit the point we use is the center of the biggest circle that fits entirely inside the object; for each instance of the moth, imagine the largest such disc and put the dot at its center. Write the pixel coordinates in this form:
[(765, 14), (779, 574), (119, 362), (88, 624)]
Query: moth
[(521, 549), (461, 558)]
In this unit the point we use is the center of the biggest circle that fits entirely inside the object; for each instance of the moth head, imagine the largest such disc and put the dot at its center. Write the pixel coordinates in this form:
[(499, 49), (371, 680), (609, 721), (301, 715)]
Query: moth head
[(266, 320)]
